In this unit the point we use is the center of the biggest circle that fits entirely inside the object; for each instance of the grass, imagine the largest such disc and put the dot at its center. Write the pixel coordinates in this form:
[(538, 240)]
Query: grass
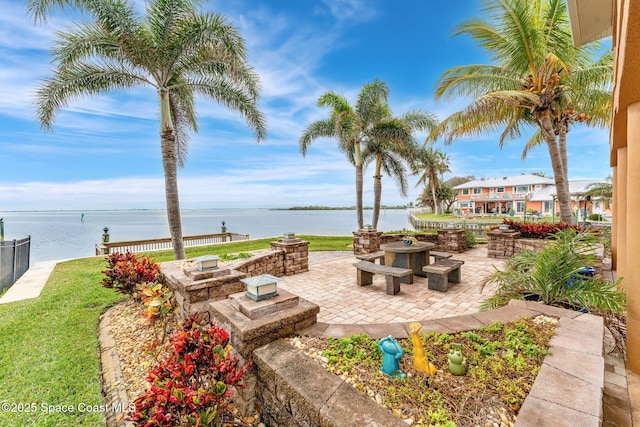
[(49, 347), (316, 243)]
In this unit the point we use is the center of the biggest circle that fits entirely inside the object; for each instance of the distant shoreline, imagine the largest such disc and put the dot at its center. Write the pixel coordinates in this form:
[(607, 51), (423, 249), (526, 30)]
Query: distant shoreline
[(331, 208)]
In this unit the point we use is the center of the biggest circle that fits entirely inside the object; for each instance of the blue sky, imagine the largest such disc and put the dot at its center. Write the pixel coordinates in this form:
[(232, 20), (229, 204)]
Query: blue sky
[(104, 152)]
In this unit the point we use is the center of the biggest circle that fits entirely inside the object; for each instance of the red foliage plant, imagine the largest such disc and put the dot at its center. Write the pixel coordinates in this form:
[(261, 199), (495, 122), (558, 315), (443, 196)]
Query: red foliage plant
[(538, 230), (125, 271), (192, 384)]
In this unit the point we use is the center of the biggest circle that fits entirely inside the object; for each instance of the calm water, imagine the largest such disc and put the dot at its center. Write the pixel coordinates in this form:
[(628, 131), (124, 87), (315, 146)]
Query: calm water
[(62, 234)]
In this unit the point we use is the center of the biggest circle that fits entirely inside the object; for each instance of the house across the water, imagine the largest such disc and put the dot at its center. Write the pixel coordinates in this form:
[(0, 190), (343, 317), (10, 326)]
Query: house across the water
[(524, 193)]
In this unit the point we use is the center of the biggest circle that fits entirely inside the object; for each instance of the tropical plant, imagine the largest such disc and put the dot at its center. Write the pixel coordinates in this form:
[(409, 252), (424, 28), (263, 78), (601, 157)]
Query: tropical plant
[(602, 190), (392, 150), (366, 129), (538, 82), (553, 276), (192, 386), (434, 163), (175, 49), (124, 272)]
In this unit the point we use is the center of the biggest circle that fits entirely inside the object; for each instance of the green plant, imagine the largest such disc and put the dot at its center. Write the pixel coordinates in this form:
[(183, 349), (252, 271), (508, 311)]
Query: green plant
[(470, 238), (192, 385), (552, 276), (160, 305), (125, 272), (596, 217), (231, 257)]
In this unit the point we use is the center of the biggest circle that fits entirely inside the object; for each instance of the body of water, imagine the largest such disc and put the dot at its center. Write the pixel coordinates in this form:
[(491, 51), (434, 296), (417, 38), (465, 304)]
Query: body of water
[(70, 234)]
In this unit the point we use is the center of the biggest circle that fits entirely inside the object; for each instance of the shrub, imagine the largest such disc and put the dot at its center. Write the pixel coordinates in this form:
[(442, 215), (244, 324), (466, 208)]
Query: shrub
[(552, 276), (191, 386), (160, 305), (595, 217), (125, 272), (538, 230)]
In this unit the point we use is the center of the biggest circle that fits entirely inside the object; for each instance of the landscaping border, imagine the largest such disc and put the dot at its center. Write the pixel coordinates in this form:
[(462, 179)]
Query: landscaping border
[(296, 391)]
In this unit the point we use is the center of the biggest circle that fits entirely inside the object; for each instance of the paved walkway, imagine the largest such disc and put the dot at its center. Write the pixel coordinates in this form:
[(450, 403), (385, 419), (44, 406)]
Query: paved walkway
[(31, 283), (331, 283)]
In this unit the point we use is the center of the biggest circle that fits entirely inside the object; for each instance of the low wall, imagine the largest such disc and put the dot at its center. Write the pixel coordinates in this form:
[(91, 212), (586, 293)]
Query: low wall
[(295, 390), (505, 244), (451, 240), (195, 290)]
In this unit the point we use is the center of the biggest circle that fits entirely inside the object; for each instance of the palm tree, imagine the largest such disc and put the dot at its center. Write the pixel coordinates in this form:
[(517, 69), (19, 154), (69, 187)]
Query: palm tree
[(434, 164), (174, 49), (393, 149), (602, 190), (539, 82), (352, 126)]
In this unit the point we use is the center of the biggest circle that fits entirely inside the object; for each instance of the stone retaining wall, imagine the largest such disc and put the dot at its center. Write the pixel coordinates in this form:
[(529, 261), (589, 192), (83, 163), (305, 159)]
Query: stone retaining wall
[(295, 390), (452, 240), (195, 290), (505, 244)]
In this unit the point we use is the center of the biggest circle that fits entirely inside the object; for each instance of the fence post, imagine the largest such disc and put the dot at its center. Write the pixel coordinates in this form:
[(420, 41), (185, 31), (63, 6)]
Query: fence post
[(13, 271)]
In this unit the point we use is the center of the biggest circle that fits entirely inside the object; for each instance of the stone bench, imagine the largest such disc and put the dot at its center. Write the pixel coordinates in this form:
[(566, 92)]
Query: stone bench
[(372, 257), (392, 275), (437, 255), (440, 273)]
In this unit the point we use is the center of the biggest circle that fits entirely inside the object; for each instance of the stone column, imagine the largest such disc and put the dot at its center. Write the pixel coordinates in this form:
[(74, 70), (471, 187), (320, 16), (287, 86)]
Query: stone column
[(452, 240), (501, 244), (253, 324), (366, 241), (296, 255)]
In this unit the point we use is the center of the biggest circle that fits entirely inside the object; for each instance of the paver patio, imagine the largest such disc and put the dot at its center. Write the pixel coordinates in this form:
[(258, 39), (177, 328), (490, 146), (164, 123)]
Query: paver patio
[(331, 283)]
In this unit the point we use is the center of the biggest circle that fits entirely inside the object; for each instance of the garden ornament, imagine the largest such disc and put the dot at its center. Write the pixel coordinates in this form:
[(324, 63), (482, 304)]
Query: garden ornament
[(392, 353), (421, 363), (457, 362)]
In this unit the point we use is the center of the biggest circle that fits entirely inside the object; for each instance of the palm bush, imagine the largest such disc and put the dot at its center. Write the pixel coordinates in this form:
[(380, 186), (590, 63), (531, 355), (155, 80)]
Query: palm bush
[(551, 275)]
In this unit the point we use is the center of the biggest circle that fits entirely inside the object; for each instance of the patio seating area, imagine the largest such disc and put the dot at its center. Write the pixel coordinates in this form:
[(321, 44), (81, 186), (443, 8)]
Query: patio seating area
[(331, 283)]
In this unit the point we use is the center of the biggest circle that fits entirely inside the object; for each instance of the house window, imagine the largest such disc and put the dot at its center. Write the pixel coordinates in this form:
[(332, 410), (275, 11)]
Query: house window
[(477, 190), (499, 189), (519, 207), (523, 189), (465, 205), (548, 206), (465, 191)]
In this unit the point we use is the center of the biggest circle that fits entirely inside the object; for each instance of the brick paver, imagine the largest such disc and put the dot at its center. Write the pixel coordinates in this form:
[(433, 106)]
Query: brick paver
[(331, 283)]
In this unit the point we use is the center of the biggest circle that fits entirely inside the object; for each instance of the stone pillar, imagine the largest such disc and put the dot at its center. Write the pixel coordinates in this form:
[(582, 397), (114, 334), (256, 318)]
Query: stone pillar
[(366, 241), (253, 324), (453, 240), (501, 244), (296, 255), (194, 290)]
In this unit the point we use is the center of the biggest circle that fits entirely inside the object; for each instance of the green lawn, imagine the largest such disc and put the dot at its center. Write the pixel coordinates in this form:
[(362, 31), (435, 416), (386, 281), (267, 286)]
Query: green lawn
[(49, 361)]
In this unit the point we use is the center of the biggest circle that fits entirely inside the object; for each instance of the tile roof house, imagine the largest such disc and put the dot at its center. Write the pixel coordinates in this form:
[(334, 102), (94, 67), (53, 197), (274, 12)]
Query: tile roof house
[(520, 193)]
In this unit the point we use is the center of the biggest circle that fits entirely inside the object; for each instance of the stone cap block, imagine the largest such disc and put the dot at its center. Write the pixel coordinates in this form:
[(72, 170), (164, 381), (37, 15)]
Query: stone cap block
[(255, 309)]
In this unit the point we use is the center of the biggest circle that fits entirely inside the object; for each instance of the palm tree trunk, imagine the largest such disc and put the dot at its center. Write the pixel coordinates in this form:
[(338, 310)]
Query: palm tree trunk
[(359, 186), (377, 196), (433, 198), (559, 168), (170, 166), (357, 157)]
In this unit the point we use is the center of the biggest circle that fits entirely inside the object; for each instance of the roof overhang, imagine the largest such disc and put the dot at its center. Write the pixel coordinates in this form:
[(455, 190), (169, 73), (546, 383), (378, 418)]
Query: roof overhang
[(590, 20)]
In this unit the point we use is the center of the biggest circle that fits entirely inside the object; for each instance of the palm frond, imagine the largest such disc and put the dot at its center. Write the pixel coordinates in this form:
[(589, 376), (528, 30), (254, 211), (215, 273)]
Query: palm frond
[(315, 130)]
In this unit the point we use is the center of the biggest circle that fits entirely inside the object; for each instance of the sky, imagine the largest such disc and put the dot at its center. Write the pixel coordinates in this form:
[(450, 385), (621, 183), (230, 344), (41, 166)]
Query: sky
[(104, 151)]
